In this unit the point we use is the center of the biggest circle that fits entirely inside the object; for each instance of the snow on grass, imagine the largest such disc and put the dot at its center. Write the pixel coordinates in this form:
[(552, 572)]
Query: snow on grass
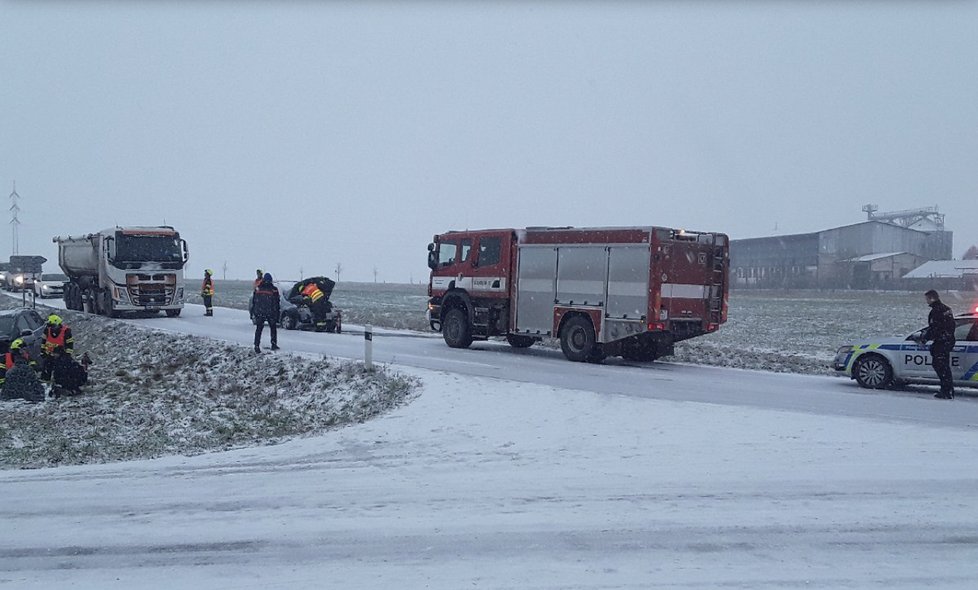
[(154, 394)]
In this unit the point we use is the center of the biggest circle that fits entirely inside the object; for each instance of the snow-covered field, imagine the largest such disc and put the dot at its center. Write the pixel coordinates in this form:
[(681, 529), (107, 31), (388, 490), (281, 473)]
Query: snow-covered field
[(484, 483), (154, 393)]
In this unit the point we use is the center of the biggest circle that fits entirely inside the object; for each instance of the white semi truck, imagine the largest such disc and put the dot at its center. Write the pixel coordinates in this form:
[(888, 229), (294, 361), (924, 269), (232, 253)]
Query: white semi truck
[(124, 269)]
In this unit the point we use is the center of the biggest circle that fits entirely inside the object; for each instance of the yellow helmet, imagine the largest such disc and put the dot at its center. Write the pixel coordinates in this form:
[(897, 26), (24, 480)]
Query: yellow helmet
[(208, 271), (54, 320), (16, 344)]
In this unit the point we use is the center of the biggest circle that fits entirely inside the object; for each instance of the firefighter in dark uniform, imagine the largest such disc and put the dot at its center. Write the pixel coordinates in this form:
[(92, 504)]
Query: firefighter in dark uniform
[(207, 292), (56, 334), (266, 307), (15, 351), (940, 331), (19, 376), (260, 275)]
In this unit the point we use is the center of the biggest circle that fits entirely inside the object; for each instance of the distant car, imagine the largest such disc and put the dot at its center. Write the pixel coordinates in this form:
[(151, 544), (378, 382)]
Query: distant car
[(19, 282), (47, 289), (22, 323), (888, 362)]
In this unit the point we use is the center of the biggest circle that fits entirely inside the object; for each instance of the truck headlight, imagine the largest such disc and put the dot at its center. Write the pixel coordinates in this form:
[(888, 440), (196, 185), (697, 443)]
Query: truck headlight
[(120, 295), (180, 294)]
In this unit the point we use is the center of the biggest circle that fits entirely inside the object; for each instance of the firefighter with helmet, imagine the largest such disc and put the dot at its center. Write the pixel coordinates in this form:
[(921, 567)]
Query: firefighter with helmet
[(19, 377), (14, 351), (207, 292), (260, 274), (56, 333)]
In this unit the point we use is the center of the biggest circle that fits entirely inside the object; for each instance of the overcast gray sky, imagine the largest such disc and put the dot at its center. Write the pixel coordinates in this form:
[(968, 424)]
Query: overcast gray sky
[(301, 134)]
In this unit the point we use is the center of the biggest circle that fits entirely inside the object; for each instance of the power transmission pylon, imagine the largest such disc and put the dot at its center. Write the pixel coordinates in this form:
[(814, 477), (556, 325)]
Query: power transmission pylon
[(14, 221)]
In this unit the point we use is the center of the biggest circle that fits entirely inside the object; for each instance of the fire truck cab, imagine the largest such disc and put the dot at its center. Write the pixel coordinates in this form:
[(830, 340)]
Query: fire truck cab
[(629, 292)]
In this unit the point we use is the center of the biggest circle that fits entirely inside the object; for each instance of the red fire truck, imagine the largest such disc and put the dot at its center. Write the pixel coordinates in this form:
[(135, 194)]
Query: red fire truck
[(622, 291)]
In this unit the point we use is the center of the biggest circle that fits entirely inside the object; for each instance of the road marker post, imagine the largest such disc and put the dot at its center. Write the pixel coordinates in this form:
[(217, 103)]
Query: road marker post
[(368, 347)]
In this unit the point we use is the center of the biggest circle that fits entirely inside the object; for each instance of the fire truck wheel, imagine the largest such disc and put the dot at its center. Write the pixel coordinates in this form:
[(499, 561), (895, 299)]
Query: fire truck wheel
[(577, 339), (456, 330)]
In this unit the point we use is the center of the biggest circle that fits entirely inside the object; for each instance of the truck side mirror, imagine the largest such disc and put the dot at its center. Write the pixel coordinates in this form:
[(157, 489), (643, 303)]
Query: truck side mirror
[(186, 252), (432, 260)]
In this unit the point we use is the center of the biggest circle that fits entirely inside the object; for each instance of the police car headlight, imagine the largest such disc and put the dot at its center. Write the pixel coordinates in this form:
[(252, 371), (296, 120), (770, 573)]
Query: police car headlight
[(844, 349)]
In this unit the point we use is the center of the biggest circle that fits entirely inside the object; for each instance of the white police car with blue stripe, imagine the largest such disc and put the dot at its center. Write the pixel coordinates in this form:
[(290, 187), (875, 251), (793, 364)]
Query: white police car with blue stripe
[(888, 362)]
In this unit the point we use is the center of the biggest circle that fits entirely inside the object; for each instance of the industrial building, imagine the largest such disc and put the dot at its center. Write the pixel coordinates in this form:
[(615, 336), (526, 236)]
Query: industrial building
[(873, 254), (961, 275)]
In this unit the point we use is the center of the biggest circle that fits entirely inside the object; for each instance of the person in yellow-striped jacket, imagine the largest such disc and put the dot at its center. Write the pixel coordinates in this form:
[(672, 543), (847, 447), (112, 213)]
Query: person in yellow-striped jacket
[(207, 292)]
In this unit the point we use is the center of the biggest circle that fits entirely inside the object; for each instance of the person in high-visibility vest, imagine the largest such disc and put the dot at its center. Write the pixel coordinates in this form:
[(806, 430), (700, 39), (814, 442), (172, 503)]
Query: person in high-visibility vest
[(19, 377), (56, 333), (14, 351), (313, 292), (207, 292)]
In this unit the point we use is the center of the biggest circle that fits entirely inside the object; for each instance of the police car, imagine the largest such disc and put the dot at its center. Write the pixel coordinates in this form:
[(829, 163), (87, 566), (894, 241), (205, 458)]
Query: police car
[(888, 362)]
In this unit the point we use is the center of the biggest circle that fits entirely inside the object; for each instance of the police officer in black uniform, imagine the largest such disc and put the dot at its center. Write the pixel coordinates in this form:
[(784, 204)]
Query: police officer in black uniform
[(940, 330)]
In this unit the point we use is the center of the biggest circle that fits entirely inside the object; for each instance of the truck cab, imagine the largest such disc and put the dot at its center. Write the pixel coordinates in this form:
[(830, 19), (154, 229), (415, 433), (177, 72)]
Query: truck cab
[(471, 272)]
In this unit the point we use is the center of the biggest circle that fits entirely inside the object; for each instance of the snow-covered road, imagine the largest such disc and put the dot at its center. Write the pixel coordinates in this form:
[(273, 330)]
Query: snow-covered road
[(518, 469), (663, 380), (488, 484)]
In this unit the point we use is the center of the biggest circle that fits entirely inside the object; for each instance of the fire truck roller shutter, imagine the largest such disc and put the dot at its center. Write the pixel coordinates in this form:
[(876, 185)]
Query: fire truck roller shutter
[(582, 274), (536, 289), (628, 282)]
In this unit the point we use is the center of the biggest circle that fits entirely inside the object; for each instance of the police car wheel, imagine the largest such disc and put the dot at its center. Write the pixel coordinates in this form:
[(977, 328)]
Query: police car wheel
[(873, 372)]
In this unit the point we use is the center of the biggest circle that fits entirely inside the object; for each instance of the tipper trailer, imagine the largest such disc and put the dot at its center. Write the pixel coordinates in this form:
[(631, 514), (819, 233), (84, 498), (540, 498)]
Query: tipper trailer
[(619, 291)]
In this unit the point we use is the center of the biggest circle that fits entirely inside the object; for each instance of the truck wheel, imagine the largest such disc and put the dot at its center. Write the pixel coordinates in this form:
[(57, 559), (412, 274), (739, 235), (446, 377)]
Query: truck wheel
[(456, 330), (577, 339), (517, 341), (172, 313), (873, 372), (107, 305)]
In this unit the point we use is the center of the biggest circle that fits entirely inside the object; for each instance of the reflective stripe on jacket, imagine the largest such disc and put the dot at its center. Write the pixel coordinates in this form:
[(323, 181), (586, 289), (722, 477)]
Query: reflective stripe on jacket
[(63, 339), (313, 292)]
